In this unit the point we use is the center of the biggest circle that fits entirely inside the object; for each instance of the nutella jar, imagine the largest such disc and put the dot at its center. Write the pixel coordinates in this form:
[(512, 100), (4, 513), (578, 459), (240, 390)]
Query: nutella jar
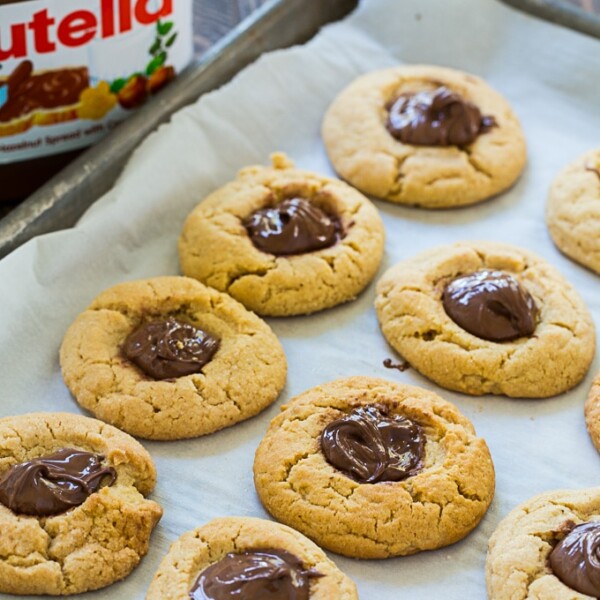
[(71, 71)]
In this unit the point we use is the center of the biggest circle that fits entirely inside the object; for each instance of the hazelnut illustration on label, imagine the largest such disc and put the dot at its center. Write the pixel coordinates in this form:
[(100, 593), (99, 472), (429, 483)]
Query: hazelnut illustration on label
[(133, 91)]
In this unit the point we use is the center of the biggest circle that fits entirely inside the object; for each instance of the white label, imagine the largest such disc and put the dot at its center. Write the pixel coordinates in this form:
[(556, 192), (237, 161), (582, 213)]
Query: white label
[(70, 71)]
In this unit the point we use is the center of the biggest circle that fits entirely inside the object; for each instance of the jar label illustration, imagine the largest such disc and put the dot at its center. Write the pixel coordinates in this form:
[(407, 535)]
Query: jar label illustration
[(68, 75)]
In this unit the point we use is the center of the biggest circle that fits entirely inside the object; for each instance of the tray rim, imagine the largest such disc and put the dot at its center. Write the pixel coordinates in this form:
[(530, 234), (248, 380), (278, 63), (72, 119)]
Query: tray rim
[(560, 12)]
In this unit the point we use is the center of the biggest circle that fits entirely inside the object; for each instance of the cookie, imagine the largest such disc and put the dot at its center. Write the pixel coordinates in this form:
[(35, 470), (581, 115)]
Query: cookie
[(573, 210), (369, 468), (487, 318), (424, 136), (73, 515), (547, 548), (283, 241), (592, 412), (277, 556), (169, 358)]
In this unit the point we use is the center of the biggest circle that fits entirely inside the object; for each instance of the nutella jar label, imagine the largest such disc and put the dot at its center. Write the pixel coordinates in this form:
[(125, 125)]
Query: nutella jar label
[(71, 71)]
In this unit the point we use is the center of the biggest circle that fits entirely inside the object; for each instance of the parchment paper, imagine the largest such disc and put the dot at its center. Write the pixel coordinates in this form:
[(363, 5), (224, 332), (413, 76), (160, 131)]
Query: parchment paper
[(549, 74)]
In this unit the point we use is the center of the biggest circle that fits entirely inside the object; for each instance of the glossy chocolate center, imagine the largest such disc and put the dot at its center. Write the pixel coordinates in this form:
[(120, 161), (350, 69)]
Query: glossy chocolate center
[(52, 484), (436, 118), (169, 349), (258, 574), (491, 305), (370, 446), (576, 559), (294, 226)]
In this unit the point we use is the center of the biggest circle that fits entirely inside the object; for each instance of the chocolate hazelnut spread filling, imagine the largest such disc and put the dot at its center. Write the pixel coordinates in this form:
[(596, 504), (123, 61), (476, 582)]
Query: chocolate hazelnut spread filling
[(168, 348), (54, 483), (593, 169), (370, 446), (491, 305), (267, 574), (575, 560), (436, 118), (295, 226), (28, 91)]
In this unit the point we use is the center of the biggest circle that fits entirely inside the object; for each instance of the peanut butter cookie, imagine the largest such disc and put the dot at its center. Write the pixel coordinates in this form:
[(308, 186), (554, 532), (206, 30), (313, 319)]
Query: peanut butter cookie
[(425, 136), (248, 558), (487, 318), (573, 210), (592, 412), (369, 468), (547, 548), (73, 516), (169, 358), (283, 241)]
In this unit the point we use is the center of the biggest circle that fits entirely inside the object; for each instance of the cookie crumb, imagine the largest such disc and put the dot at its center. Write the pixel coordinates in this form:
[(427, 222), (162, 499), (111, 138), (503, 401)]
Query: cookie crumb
[(280, 160)]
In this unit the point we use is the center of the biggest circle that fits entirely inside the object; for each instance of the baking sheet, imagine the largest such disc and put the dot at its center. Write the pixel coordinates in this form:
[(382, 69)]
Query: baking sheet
[(60, 203), (549, 75)]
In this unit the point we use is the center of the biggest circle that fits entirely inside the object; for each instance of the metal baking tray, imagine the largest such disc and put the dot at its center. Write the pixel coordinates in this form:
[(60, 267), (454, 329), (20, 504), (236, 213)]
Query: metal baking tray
[(60, 203), (277, 24)]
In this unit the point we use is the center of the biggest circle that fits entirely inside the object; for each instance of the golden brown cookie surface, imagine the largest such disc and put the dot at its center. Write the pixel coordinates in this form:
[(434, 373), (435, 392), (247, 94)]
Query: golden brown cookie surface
[(573, 210), (91, 545), (437, 506), (364, 153), (413, 320), (215, 247), (244, 376), (517, 565), (196, 550)]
